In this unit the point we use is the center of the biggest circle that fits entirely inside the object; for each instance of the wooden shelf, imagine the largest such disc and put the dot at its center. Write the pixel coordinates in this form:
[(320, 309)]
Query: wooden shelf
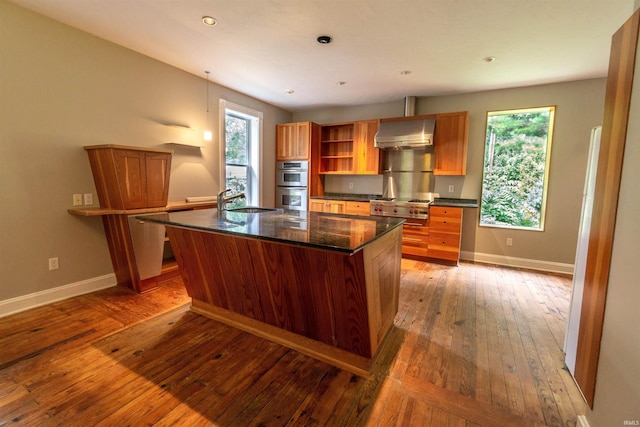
[(171, 206)]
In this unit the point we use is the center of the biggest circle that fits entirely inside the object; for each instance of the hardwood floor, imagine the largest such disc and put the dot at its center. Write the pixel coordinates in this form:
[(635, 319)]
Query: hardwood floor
[(473, 345)]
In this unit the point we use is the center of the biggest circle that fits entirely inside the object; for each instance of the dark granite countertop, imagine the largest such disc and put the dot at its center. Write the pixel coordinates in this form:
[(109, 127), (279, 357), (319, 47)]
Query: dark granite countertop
[(455, 203), (348, 197), (342, 233)]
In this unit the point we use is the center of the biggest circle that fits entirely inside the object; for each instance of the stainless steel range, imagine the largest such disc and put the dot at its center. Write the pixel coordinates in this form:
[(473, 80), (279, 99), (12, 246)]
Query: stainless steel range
[(414, 208)]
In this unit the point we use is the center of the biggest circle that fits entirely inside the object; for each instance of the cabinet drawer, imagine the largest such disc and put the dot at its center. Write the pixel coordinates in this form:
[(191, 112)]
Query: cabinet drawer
[(444, 240), (445, 212), (358, 208), (445, 225), (416, 226), (415, 237), (414, 244), (447, 254)]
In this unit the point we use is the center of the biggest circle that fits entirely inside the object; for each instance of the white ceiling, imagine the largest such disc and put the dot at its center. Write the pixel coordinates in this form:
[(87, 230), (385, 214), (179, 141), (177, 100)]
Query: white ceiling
[(266, 47)]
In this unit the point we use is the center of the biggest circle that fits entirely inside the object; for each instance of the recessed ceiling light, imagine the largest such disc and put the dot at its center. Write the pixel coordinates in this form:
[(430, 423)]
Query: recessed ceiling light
[(405, 72), (341, 83), (489, 58), (209, 20), (289, 91), (324, 39)]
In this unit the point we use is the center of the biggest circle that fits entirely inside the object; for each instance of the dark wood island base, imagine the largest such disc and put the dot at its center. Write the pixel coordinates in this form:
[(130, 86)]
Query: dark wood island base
[(335, 306)]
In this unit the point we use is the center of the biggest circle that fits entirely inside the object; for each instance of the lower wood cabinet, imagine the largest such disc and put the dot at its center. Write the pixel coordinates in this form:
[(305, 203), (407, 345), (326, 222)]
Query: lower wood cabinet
[(358, 208), (415, 237), (445, 226), (328, 206)]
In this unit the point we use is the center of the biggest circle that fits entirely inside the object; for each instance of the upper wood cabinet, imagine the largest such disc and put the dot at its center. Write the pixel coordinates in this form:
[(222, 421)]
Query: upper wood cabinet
[(293, 140), (130, 177), (450, 143), (367, 155), (336, 154), (347, 148)]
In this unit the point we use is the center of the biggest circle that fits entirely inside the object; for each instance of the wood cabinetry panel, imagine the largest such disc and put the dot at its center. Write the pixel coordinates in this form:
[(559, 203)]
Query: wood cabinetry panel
[(358, 208), (314, 293), (445, 230), (130, 177), (450, 144), (157, 168), (328, 206), (367, 155), (415, 235), (293, 141)]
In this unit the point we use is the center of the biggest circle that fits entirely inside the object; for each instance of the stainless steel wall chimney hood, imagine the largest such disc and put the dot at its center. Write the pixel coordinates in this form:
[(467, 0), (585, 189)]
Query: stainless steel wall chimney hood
[(409, 133)]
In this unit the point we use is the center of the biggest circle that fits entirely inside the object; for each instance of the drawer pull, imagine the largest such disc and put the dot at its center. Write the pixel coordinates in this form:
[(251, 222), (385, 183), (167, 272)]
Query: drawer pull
[(411, 239), (414, 224)]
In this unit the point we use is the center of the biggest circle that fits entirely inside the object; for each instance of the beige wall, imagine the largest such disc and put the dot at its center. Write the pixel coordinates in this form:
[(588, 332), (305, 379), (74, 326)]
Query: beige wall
[(579, 108), (63, 89)]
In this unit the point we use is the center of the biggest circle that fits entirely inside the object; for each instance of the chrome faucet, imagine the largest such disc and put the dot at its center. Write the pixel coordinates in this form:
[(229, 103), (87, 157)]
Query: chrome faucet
[(223, 200)]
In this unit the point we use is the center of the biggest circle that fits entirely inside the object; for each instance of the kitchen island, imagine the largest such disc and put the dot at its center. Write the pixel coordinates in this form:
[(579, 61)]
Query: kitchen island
[(325, 285)]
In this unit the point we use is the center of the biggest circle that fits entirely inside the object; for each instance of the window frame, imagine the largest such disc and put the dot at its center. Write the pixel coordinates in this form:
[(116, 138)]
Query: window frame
[(254, 154), (552, 109)]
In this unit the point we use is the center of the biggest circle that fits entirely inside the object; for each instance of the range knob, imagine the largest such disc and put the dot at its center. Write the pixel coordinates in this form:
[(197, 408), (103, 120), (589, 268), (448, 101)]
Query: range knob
[(395, 210)]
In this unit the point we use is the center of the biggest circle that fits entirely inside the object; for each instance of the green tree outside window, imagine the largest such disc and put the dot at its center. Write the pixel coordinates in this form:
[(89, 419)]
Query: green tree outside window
[(516, 168)]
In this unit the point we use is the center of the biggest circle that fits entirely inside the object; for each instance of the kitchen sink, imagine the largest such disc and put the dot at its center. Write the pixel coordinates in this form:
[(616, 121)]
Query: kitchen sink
[(251, 209)]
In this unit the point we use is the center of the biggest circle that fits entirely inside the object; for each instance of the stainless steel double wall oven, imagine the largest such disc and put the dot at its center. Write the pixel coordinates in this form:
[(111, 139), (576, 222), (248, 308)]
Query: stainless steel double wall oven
[(292, 185)]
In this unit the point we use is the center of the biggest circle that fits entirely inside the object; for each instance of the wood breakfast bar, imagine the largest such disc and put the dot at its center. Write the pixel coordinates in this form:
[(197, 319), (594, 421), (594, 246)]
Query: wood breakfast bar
[(325, 285)]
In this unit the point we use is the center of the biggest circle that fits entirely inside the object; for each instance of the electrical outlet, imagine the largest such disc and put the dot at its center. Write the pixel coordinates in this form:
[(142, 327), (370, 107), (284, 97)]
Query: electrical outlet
[(351, 186), (452, 188), (77, 200), (509, 241), (88, 199), (53, 263)]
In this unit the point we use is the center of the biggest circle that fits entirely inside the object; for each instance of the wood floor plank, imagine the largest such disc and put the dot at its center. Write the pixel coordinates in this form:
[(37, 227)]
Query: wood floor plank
[(496, 330), (473, 345)]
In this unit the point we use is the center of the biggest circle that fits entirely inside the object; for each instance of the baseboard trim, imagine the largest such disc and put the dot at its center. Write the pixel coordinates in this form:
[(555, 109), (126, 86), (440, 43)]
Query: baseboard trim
[(36, 299), (582, 421), (532, 264)]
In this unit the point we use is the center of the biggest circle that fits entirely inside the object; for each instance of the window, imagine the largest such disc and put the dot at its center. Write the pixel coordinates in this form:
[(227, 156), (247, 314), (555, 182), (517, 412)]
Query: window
[(516, 168), (241, 154)]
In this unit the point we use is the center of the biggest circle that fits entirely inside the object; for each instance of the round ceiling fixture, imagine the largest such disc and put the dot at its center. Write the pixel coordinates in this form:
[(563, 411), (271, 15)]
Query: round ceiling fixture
[(489, 58), (405, 72), (324, 39), (209, 20), (289, 91)]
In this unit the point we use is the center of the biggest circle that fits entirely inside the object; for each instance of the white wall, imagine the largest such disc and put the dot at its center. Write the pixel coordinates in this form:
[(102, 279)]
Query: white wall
[(63, 89)]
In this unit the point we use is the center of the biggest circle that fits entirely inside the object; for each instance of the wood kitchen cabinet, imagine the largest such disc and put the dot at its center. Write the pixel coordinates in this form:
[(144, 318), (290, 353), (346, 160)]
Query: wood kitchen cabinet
[(357, 208), (130, 177), (348, 148), (415, 237), (450, 143), (328, 206), (293, 140), (336, 153), (445, 230), (367, 155)]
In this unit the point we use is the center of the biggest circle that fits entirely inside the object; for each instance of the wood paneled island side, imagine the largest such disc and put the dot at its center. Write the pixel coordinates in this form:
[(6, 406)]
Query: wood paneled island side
[(325, 285)]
